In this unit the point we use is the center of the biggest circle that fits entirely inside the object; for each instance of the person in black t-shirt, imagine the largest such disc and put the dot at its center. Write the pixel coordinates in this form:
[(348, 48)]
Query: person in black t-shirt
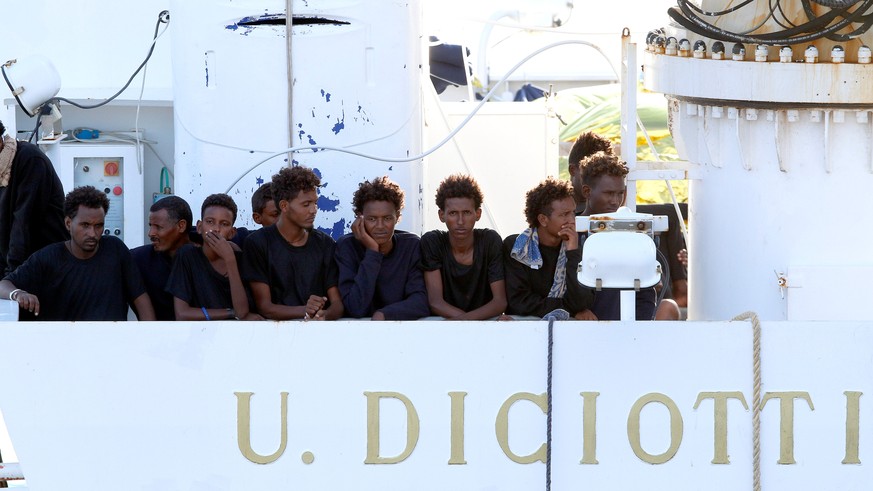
[(541, 262), (603, 186), (290, 265), (264, 209), (169, 221), (89, 277), (463, 268), (205, 281)]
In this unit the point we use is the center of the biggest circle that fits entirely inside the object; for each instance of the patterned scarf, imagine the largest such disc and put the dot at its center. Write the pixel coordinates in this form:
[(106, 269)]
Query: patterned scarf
[(10, 145), (526, 250)]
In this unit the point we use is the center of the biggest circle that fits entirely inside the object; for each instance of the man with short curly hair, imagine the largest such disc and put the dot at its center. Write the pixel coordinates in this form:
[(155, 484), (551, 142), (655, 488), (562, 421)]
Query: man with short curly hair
[(463, 266), (586, 145), (541, 262), (90, 277), (379, 266), (290, 266), (603, 177)]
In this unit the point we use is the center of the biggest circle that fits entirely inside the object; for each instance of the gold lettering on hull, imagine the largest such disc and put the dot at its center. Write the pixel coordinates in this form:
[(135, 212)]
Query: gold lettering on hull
[(373, 420), (633, 428), (786, 421), (719, 402), (853, 423), (244, 428), (501, 427), (589, 428), (457, 435)]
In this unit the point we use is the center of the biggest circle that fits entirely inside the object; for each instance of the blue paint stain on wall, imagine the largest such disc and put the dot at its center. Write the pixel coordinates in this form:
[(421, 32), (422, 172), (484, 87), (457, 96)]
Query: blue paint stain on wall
[(317, 172), (337, 230), (326, 204), (326, 95), (259, 180), (340, 124)]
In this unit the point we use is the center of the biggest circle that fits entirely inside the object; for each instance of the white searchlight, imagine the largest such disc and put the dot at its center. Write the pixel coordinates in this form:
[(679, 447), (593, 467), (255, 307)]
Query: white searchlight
[(33, 81), (620, 253)]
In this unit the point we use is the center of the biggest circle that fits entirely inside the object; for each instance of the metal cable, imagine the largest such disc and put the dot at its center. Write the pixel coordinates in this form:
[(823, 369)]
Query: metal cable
[(289, 24), (756, 396)]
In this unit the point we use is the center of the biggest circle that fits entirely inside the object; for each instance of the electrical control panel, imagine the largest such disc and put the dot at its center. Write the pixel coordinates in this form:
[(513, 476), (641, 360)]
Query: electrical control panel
[(113, 169), (105, 174)]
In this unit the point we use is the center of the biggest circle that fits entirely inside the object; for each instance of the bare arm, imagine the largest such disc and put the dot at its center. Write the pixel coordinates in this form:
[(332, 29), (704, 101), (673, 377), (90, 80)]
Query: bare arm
[(491, 309), (335, 311), (270, 310), (433, 281), (144, 309), (225, 250), (26, 301)]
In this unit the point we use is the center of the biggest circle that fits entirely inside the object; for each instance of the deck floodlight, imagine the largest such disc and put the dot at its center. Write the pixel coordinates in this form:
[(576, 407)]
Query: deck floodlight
[(33, 81), (619, 251)]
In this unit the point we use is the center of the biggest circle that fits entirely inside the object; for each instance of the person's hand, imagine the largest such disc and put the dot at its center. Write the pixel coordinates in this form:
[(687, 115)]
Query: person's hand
[(28, 302), (218, 244), (504, 317), (361, 234), (252, 316), (585, 315), (314, 305), (378, 316), (568, 234), (682, 256)]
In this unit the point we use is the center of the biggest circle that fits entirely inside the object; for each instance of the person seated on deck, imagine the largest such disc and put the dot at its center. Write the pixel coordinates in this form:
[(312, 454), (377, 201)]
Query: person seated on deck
[(463, 268), (205, 282), (90, 277), (264, 210), (379, 270), (669, 243), (169, 220), (290, 266), (603, 187), (541, 262)]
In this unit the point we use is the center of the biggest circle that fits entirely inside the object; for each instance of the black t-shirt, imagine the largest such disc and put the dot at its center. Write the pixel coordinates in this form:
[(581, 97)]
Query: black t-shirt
[(99, 288), (292, 273), (466, 287), (195, 281), (154, 267), (527, 289)]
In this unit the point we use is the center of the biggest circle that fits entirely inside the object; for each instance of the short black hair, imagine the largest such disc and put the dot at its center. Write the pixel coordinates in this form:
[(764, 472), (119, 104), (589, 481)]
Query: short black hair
[(219, 199), (290, 181), (601, 164), (87, 196), (379, 189), (177, 209), (263, 195), (586, 145), (459, 186), (539, 199), (2, 128)]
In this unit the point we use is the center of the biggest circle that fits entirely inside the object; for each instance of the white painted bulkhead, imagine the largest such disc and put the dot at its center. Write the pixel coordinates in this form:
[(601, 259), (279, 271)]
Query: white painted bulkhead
[(356, 86), (784, 151)]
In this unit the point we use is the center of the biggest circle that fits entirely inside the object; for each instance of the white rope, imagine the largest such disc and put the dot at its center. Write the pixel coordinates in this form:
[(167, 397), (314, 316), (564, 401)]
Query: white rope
[(756, 396)]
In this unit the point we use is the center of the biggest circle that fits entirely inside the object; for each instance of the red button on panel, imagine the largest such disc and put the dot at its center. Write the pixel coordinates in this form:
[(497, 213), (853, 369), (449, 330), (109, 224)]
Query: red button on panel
[(116, 190)]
